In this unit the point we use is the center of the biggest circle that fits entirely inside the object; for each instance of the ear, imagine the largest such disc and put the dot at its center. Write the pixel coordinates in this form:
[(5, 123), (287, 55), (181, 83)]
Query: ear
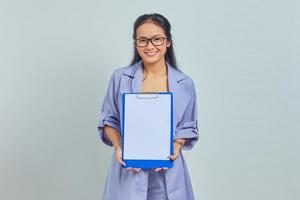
[(169, 42)]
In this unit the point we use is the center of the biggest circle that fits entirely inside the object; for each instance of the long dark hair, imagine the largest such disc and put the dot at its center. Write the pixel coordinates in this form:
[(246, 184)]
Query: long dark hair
[(162, 22)]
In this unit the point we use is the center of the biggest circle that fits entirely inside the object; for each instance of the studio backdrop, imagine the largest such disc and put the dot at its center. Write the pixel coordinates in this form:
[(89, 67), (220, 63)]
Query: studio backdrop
[(56, 58)]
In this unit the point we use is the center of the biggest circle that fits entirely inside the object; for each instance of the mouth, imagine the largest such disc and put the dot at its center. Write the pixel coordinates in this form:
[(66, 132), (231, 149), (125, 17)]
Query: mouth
[(151, 53)]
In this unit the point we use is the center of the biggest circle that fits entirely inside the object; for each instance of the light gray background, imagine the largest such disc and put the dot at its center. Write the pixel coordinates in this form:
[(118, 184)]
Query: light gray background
[(56, 58)]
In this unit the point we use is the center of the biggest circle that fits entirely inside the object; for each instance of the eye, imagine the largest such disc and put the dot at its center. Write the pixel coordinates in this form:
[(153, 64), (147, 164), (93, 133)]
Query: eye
[(157, 39)]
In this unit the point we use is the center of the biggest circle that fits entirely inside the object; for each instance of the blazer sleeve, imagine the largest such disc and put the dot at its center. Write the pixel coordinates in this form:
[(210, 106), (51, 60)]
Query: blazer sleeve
[(188, 126), (109, 114)]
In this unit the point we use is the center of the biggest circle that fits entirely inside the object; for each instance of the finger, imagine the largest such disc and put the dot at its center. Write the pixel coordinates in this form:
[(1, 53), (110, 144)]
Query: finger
[(121, 162), (165, 168), (134, 169), (137, 169), (158, 169), (129, 169), (174, 157)]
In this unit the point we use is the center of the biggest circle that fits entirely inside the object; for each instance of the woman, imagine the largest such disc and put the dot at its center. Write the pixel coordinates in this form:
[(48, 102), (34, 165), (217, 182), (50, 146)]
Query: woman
[(153, 69)]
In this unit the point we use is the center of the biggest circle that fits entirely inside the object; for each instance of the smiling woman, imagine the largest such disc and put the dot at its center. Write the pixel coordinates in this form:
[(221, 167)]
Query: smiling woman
[(153, 69)]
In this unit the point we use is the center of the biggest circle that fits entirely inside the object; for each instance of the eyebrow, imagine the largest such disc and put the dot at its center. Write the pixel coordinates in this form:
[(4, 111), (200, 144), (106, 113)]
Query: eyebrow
[(143, 37)]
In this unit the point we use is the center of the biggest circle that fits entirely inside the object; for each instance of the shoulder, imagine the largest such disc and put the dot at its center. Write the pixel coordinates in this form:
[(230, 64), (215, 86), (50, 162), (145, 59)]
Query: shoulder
[(118, 77), (119, 72), (185, 81)]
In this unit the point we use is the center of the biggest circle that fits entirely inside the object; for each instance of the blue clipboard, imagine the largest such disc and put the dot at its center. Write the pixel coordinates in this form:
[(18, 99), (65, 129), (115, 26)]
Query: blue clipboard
[(147, 129)]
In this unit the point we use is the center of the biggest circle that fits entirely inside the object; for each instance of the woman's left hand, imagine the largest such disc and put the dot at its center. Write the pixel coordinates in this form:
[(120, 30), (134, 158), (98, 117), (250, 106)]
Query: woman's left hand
[(177, 150)]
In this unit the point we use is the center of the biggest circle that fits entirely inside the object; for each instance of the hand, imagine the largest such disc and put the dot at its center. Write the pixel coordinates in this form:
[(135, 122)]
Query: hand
[(177, 150), (160, 169), (130, 169), (118, 157)]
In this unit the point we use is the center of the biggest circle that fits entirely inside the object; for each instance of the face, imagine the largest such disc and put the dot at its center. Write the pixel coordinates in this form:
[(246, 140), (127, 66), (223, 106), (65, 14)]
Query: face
[(152, 54)]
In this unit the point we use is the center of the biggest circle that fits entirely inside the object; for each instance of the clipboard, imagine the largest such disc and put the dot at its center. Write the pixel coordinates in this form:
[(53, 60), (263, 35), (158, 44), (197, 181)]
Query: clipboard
[(147, 129)]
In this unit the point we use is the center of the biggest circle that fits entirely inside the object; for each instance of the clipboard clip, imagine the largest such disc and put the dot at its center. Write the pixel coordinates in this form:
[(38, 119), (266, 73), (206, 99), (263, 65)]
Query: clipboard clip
[(149, 95)]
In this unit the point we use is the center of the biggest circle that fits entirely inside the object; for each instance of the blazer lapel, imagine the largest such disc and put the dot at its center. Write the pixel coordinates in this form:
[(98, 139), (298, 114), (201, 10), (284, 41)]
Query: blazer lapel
[(134, 77)]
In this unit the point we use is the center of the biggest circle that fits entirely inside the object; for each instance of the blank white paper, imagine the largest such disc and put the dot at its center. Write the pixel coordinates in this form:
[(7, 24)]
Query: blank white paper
[(147, 126)]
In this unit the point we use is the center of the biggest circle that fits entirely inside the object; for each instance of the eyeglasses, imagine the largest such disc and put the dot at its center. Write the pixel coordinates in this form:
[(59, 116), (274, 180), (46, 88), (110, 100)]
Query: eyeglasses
[(156, 41)]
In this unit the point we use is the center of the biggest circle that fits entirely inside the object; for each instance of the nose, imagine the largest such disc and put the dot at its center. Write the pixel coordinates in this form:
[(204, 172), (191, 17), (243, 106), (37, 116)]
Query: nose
[(150, 45)]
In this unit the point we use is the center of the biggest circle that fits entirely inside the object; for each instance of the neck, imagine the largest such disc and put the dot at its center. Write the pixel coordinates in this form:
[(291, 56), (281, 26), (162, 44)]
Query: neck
[(159, 68)]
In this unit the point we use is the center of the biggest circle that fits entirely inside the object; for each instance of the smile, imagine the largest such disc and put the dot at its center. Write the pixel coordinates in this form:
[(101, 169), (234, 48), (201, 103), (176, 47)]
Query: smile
[(151, 53)]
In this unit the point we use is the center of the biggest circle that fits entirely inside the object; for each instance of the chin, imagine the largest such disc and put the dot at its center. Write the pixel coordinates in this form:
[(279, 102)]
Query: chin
[(151, 61)]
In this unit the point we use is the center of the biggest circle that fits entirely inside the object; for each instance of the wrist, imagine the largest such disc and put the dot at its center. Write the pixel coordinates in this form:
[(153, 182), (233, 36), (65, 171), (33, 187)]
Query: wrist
[(116, 146), (181, 142)]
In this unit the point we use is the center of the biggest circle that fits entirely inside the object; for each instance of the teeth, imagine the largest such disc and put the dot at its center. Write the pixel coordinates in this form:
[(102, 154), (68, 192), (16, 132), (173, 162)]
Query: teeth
[(151, 53)]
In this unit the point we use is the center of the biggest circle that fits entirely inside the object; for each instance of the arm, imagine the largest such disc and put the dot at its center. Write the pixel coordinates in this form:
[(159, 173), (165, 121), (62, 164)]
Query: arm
[(109, 123), (109, 115), (113, 135)]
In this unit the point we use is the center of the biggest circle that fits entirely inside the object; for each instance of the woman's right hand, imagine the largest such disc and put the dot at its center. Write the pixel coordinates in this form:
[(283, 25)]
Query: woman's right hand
[(118, 157)]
